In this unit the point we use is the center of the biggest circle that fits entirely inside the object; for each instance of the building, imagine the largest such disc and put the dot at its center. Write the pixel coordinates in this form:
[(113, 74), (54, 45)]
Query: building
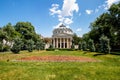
[(62, 37)]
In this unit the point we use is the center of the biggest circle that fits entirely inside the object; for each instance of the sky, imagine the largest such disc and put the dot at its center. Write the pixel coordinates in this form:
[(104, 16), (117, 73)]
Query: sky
[(46, 15)]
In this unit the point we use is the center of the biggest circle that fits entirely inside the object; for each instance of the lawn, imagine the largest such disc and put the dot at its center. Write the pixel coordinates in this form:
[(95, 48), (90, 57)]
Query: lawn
[(107, 69)]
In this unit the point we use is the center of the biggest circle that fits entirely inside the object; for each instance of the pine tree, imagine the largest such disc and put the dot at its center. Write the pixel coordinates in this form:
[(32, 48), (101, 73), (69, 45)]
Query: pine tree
[(91, 45), (80, 46), (17, 45), (30, 45), (104, 44), (84, 46)]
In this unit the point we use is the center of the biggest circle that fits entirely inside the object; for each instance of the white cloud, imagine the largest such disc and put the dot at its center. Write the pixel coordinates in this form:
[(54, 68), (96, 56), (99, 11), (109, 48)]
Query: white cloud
[(110, 2), (69, 6), (79, 29), (65, 14), (88, 11), (54, 9), (68, 21)]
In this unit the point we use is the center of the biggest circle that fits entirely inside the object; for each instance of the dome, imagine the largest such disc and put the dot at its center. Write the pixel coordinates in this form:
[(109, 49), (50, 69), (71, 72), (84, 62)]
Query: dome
[(61, 30)]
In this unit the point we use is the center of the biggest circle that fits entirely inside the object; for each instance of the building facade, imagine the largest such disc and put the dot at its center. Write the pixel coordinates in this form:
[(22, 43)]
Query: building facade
[(62, 37)]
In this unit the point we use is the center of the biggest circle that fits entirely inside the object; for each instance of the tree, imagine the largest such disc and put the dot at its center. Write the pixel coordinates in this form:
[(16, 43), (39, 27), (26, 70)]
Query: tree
[(1, 46), (91, 45), (84, 46), (105, 44), (76, 39), (108, 24), (30, 45), (17, 45), (40, 45), (80, 46)]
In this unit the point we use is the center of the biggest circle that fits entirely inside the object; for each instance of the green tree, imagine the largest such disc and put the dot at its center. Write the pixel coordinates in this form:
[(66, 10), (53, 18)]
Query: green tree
[(30, 45), (80, 46), (76, 39), (17, 45), (91, 45), (84, 46), (105, 44), (40, 45)]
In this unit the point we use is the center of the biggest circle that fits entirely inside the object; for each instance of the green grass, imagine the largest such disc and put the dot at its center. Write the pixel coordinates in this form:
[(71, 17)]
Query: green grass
[(108, 69)]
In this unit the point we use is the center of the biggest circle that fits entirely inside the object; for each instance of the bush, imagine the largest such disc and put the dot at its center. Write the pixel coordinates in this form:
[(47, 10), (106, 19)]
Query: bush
[(80, 46), (72, 46), (30, 45), (1, 47), (104, 44), (49, 49), (6, 48), (17, 45), (84, 46), (91, 45)]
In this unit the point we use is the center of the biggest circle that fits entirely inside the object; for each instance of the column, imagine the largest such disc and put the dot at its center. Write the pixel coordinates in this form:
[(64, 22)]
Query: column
[(57, 42), (67, 42), (70, 42), (60, 43), (64, 42), (54, 42)]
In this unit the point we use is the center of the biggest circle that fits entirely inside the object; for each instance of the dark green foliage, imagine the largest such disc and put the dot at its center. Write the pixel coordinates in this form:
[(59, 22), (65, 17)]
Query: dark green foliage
[(51, 46), (40, 45), (30, 45), (104, 44), (49, 49), (73, 46), (1, 46), (91, 46), (84, 46), (108, 24), (80, 46), (17, 45), (6, 48), (76, 39)]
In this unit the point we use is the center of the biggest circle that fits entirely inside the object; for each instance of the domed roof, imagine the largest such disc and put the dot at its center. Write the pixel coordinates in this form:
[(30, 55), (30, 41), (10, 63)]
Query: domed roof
[(61, 30)]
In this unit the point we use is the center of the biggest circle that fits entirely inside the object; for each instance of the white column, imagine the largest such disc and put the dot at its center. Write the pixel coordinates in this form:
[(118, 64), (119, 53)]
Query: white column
[(70, 42), (54, 42), (67, 42), (57, 42), (60, 42), (64, 42)]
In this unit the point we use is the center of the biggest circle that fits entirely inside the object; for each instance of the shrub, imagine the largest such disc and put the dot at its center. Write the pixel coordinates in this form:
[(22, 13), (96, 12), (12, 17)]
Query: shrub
[(73, 46), (1, 47), (17, 45), (84, 46), (49, 49), (40, 45), (30, 45), (91, 45), (104, 44), (80, 46)]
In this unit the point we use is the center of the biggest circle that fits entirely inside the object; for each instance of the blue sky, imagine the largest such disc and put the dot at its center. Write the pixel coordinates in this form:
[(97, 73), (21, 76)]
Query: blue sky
[(45, 15)]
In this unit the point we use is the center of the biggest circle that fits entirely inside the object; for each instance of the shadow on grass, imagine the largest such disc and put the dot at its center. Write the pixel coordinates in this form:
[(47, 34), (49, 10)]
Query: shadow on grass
[(99, 54), (112, 53), (115, 53)]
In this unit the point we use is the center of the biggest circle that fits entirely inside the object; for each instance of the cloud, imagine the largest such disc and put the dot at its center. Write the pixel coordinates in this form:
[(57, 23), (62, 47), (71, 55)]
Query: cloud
[(65, 14), (88, 11), (54, 9), (79, 30), (107, 4), (110, 2)]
